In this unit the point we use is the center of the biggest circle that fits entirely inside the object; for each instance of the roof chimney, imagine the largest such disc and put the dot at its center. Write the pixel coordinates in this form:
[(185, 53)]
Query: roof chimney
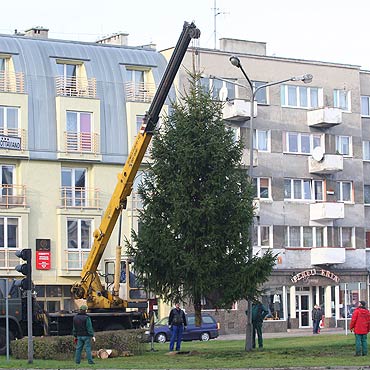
[(120, 38), (37, 32)]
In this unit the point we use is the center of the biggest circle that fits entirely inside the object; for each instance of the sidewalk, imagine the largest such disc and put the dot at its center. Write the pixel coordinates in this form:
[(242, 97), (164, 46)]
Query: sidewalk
[(290, 333)]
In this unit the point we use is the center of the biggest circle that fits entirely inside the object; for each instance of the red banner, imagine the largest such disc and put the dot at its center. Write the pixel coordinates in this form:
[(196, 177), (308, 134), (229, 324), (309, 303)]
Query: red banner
[(43, 260)]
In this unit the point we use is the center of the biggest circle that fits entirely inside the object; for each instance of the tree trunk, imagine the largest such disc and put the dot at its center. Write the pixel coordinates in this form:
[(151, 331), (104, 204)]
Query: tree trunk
[(198, 312)]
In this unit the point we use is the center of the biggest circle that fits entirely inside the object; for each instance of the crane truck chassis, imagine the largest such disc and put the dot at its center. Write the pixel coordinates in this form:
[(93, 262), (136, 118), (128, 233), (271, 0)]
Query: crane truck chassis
[(106, 308)]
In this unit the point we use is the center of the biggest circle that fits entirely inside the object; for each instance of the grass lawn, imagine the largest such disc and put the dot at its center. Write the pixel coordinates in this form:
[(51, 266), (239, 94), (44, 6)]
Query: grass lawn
[(319, 350)]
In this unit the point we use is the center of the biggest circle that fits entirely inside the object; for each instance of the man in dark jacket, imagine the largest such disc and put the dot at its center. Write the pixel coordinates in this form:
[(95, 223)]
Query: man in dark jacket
[(360, 324), (316, 318), (259, 312), (177, 323), (83, 332)]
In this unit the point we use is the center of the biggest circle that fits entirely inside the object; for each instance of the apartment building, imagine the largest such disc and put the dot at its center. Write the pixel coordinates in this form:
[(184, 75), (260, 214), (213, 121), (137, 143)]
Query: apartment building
[(311, 171), (69, 113)]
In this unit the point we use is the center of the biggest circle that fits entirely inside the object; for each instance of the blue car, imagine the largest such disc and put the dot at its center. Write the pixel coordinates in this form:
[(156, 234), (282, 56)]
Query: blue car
[(208, 330)]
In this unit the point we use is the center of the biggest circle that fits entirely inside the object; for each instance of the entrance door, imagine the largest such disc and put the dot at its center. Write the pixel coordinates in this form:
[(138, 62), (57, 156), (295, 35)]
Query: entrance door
[(303, 305)]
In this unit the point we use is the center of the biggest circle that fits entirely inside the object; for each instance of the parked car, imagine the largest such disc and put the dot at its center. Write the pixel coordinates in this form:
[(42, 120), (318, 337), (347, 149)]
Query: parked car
[(208, 330)]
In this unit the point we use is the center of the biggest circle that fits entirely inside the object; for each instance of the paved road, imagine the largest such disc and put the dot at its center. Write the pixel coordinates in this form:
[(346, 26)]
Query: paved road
[(291, 333)]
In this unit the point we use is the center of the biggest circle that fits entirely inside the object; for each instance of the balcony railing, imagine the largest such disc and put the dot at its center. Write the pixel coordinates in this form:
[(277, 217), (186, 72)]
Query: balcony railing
[(330, 163), (328, 255), (326, 211), (81, 142), (324, 117), (79, 197), (11, 82), (75, 86), (16, 133), (12, 196), (139, 92), (76, 259), (8, 259), (246, 157), (238, 110)]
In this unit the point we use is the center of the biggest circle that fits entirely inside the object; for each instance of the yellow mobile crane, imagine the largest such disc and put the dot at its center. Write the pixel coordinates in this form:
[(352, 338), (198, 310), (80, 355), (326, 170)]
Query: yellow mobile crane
[(98, 298)]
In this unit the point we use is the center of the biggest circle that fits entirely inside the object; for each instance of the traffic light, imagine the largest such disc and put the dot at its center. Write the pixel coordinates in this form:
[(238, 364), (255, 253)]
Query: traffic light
[(25, 269)]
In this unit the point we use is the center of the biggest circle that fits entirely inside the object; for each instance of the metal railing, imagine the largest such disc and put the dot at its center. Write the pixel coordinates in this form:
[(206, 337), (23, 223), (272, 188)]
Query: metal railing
[(140, 92), (8, 259), (75, 86), (81, 142), (16, 133), (12, 196), (11, 82), (76, 259), (79, 197)]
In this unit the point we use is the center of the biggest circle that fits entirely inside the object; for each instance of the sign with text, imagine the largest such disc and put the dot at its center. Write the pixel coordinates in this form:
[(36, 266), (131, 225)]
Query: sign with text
[(10, 142), (304, 275), (43, 254)]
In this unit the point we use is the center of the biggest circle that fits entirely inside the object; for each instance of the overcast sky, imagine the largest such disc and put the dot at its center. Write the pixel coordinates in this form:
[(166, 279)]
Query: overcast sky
[(325, 30)]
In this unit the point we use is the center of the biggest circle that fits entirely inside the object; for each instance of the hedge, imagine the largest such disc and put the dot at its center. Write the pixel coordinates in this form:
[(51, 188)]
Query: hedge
[(63, 348)]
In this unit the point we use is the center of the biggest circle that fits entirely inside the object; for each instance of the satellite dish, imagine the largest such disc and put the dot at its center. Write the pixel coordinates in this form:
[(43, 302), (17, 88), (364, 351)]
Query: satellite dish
[(223, 93), (318, 154)]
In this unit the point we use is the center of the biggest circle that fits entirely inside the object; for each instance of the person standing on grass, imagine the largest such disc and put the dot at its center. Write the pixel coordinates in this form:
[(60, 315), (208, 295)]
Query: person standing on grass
[(259, 312), (316, 318), (177, 324), (83, 332), (360, 324)]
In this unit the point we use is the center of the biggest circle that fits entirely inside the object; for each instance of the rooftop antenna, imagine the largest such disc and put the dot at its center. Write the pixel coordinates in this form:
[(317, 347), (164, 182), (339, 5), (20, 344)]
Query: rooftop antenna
[(216, 12)]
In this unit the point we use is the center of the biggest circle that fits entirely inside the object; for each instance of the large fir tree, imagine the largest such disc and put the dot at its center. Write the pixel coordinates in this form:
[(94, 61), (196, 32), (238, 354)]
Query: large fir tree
[(193, 240)]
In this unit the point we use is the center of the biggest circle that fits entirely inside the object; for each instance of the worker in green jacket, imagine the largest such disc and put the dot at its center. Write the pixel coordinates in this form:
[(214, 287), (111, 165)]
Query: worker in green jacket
[(259, 312)]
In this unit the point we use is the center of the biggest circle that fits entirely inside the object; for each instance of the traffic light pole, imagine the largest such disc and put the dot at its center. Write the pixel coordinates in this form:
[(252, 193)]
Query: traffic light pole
[(29, 326)]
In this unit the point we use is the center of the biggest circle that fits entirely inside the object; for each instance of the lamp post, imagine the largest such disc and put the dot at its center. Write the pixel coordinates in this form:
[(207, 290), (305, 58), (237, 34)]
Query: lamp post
[(306, 78)]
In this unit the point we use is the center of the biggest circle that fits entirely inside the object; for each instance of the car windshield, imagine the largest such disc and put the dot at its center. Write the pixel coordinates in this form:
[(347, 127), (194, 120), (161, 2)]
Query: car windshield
[(162, 322)]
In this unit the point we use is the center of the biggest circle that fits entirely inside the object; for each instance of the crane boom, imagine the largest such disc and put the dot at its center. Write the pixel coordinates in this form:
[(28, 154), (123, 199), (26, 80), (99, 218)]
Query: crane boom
[(90, 287)]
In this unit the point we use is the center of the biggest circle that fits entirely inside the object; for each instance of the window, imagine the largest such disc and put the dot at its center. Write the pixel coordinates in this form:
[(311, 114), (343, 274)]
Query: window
[(139, 122), (9, 120), (342, 99), (7, 182), (235, 131), (343, 145), (261, 96), (301, 143), (79, 134), (263, 236), (342, 237), (304, 236), (219, 90), (261, 140), (366, 150), (67, 80), (301, 96), (262, 187), (78, 242), (9, 230), (344, 191), (365, 105), (367, 239), (301, 189), (74, 187), (367, 194)]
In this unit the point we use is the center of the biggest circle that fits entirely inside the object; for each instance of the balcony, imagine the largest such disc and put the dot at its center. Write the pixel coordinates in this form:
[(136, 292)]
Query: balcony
[(328, 256), (75, 87), (330, 163), (81, 142), (324, 117), (246, 158), (139, 92), (238, 110), (326, 211), (79, 197), (11, 82), (12, 196)]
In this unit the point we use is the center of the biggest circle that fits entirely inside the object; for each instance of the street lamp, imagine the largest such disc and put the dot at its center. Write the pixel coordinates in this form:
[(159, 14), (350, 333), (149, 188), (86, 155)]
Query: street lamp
[(306, 78)]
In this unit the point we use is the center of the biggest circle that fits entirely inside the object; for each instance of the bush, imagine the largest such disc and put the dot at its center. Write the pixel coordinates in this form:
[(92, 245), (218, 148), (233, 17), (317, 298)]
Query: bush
[(63, 348)]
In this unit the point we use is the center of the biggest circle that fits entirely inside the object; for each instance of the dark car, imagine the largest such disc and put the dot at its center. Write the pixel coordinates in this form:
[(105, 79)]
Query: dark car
[(208, 330)]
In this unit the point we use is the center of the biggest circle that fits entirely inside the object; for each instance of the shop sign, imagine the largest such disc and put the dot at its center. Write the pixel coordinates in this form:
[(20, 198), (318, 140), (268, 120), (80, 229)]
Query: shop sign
[(314, 272), (10, 142)]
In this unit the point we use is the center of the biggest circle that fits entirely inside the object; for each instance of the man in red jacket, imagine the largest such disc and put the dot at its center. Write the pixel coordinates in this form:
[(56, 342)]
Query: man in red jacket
[(360, 324)]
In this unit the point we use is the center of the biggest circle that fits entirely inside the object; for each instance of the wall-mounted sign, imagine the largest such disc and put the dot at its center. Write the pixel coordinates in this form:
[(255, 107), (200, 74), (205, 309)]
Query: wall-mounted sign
[(10, 142), (314, 272), (43, 254)]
